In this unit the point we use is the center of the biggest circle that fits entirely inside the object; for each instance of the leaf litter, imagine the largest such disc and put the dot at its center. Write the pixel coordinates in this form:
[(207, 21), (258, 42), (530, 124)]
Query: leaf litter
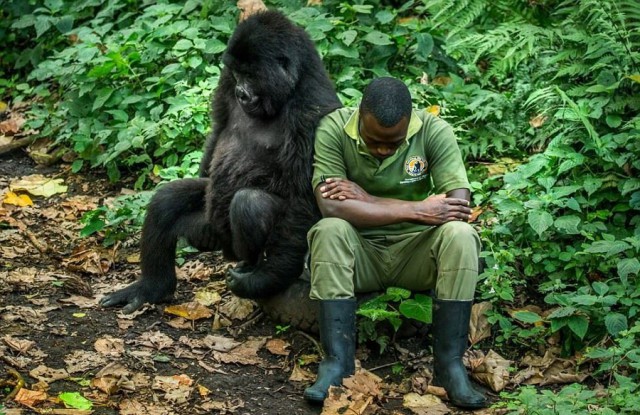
[(205, 352)]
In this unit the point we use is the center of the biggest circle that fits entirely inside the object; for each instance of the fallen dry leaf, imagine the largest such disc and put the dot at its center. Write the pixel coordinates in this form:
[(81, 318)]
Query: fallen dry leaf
[(548, 370), (278, 347), (19, 345), (237, 308), (245, 354), (191, 311), (92, 260), (340, 401), (155, 340), (30, 398), (207, 298), (479, 327), (12, 125), (298, 374), (493, 371), (364, 382), (21, 200), (135, 407), (20, 277), (177, 388), (113, 378), (223, 407), (219, 343), (38, 185), (203, 391), (424, 404), (109, 346), (180, 323), (47, 374), (195, 270), (83, 360)]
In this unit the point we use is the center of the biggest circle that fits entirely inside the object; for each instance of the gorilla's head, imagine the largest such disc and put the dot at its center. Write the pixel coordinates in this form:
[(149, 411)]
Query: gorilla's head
[(265, 55)]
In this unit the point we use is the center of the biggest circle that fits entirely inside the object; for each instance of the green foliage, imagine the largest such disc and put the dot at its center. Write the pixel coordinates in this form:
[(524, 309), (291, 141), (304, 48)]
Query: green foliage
[(544, 97), (128, 83), (620, 395), (280, 329), (116, 220), (75, 400), (390, 308)]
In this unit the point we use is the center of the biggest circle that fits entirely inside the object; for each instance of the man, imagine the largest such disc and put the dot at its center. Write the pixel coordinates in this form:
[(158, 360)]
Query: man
[(394, 195)]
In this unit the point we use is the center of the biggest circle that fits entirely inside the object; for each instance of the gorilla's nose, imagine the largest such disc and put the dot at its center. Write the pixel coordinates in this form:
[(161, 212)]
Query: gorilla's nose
[(242, 95)]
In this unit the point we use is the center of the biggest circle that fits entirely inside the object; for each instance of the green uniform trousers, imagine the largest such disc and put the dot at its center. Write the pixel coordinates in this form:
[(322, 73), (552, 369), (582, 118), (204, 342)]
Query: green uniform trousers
[(343, 262)]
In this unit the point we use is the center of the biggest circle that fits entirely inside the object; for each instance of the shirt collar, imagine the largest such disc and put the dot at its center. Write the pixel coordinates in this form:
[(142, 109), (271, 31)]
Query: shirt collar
[(351, 127)]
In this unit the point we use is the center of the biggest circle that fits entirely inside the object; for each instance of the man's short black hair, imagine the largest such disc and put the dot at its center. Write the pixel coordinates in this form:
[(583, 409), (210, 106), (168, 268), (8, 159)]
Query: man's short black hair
[(388, 100)]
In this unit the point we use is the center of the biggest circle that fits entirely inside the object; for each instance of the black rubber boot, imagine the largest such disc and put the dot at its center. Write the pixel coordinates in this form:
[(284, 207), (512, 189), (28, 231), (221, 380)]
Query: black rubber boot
[(337, 320), (450, 331)]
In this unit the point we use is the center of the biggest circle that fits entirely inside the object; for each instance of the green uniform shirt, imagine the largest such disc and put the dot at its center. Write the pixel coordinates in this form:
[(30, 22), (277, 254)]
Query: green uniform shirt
[(429, 162)]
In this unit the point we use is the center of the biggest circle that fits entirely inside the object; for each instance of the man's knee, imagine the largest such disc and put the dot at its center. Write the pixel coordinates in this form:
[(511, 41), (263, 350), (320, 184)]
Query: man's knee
[(461, 234), (330, 227)]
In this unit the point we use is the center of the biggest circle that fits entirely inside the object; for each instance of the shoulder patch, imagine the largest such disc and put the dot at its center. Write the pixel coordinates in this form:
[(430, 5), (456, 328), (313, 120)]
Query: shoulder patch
[(415, 166)]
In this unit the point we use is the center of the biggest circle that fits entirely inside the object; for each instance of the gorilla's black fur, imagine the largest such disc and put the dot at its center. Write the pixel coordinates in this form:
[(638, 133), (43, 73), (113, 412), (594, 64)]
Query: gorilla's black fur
[(254, 200)]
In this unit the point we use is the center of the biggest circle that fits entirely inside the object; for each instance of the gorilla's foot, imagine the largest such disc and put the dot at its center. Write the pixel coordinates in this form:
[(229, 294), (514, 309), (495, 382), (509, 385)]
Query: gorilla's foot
[(135, 295)]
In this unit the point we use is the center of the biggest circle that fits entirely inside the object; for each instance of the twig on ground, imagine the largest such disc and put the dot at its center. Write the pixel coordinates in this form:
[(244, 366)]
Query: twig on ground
[(15, 144), (19, 384), (40, 246), (312, 340)]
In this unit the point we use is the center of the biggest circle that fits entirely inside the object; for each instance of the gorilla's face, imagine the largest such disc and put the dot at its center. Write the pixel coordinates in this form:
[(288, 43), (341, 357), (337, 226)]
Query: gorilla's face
[(265, 61), (262, 86)]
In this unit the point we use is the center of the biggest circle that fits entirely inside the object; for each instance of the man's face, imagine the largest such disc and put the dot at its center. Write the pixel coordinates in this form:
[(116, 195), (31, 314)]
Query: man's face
[(382, 142)]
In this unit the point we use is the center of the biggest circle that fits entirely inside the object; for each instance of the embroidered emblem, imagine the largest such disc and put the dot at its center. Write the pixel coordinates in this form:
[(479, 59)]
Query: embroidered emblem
[(415, 166)]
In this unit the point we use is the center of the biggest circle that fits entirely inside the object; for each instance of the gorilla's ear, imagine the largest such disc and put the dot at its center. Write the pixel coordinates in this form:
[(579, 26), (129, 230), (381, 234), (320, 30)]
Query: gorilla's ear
[(289, 69), (284, 62)]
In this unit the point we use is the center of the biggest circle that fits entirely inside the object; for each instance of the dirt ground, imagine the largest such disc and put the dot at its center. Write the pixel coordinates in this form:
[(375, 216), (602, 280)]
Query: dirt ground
[(221, 355)]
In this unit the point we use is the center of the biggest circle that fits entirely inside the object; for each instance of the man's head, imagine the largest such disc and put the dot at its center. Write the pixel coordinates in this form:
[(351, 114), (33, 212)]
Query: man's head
[(385, 112)]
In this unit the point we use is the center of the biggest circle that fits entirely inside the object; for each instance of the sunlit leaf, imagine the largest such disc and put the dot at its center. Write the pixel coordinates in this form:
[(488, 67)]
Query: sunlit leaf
[(540, 221), (418, 308), (75, 400)]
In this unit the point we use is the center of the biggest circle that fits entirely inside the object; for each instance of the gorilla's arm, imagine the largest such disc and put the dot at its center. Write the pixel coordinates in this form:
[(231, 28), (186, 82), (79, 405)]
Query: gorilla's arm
[(283, 261)]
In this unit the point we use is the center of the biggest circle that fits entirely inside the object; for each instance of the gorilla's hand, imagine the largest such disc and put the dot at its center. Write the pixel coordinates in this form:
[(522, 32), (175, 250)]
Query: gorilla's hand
[(248, 281), (136, 294), (239, 280)]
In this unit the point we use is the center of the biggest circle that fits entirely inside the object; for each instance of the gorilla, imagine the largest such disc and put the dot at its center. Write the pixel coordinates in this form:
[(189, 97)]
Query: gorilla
[(254, 199)]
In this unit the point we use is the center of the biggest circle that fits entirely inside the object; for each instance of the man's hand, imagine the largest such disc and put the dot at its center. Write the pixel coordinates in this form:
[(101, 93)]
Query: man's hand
[(342, 189), (438, 209)]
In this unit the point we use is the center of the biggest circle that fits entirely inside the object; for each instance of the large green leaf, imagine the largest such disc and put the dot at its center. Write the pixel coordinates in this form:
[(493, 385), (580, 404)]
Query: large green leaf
[(567, 224), (418, 308), (579, 325), (527, 317), (627, 267), (608, 248), (75, 400), (378, 38), (540, 221), (615, 323)]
